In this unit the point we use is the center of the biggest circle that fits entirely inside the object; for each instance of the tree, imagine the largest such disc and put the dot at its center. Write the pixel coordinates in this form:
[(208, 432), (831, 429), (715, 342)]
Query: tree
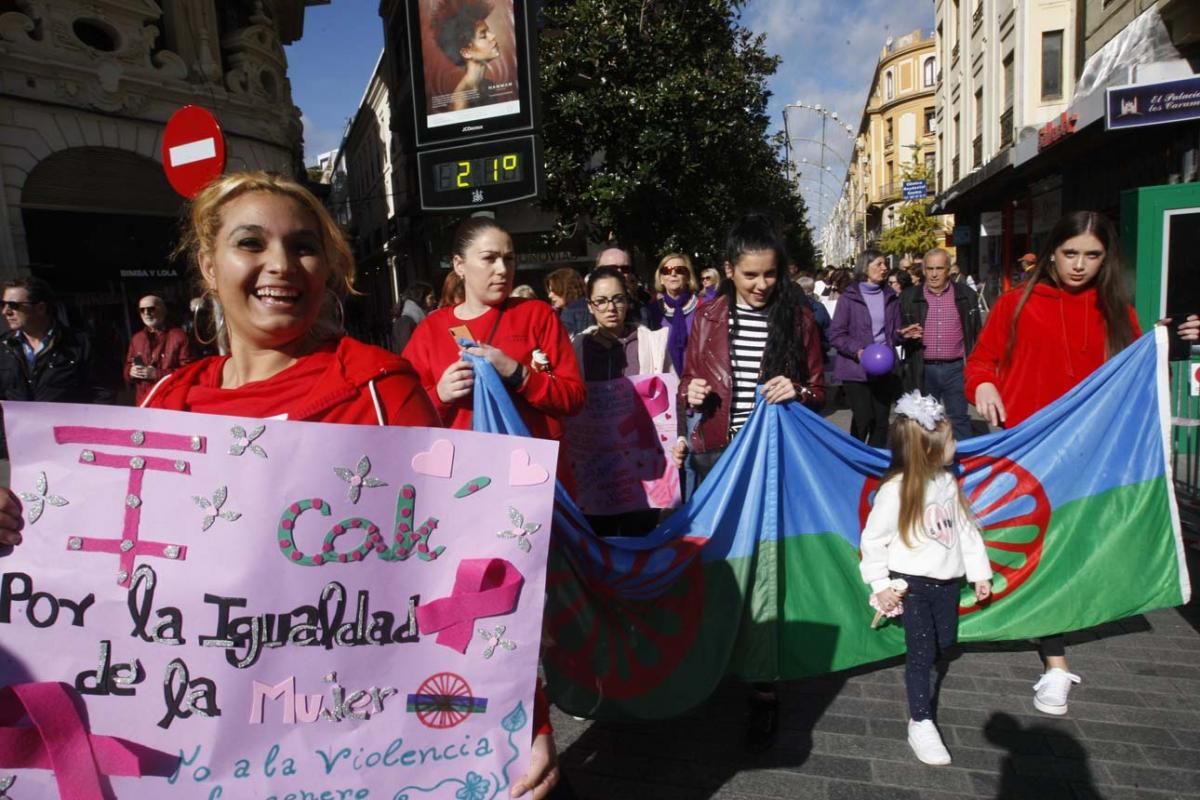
[(655, 125), (915, 231)]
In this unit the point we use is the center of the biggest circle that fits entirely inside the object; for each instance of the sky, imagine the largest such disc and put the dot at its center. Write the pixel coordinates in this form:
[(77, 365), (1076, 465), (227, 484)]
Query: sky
[(829, 52)]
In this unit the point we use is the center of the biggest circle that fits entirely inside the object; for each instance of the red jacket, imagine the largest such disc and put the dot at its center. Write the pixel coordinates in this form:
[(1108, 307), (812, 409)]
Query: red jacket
[(166, 352), (1060, 341), (345, 381), (707, 357), (524, 325)]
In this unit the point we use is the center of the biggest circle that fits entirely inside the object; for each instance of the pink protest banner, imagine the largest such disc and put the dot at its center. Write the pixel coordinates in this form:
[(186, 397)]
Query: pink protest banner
[(619, 445), (210, 607)]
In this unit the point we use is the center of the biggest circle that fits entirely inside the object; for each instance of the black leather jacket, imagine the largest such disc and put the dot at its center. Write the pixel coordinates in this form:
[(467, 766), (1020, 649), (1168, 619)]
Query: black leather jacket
[(62, 372)]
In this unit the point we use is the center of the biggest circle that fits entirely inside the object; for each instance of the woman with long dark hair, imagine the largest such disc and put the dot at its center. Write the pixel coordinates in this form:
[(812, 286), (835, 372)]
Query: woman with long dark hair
[(1041, 339), (759, 330)]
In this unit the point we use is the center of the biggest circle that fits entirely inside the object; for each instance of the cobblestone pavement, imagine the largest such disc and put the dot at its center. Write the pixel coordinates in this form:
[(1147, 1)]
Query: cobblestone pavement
[(1133, 730)]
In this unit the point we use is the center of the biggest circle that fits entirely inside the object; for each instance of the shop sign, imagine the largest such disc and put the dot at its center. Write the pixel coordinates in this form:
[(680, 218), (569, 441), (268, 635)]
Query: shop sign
[(1152, 104), (1056, 130)]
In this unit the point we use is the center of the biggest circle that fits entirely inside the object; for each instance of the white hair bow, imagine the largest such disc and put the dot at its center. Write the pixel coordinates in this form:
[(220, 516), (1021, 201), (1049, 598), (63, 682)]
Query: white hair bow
[(922, 408)]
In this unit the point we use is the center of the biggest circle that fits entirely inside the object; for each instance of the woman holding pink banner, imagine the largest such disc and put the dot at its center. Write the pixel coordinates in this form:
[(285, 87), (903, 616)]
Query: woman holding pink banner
[(611, 350), (275, 263)]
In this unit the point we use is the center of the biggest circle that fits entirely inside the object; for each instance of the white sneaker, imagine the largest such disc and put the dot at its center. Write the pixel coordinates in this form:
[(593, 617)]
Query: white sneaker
[(926, 743), (1051, 690)]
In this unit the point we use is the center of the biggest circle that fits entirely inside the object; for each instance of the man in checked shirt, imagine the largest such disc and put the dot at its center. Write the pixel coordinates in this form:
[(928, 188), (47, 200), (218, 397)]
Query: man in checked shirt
[(948, 314)]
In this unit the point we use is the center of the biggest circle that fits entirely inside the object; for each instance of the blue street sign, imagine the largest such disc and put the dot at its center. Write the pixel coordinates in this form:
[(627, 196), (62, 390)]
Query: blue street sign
[(915, 190)]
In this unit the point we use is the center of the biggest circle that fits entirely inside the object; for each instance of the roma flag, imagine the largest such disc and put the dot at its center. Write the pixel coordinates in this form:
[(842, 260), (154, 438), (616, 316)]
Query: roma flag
[(757, 575)]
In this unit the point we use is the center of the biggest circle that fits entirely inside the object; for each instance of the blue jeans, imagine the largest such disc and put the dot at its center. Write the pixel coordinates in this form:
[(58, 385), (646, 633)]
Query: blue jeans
[(945, 382)]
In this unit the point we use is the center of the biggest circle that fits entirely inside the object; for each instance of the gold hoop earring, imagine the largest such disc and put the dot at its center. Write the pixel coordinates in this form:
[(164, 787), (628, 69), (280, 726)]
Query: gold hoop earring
[(205, 299)]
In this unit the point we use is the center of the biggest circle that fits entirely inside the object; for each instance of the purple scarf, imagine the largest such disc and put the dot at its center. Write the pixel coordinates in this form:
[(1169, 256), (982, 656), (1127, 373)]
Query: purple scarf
[(678, 312)]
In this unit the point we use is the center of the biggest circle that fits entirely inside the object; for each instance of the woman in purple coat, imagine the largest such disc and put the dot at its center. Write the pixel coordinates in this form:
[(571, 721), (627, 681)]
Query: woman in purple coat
[(868, 312)]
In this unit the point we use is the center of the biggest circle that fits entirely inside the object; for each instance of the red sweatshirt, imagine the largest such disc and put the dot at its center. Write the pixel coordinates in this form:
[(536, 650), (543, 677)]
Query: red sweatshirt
[(524, 325), (1060, 341), (340, 382)]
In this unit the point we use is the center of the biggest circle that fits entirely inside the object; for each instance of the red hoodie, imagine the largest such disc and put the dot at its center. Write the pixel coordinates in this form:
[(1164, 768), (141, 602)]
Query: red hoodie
[(1061, 339), (344, 381), (518, 328)]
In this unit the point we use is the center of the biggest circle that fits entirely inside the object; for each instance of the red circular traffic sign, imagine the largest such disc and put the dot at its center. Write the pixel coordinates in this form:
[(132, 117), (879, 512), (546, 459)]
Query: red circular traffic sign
[(193, 150)]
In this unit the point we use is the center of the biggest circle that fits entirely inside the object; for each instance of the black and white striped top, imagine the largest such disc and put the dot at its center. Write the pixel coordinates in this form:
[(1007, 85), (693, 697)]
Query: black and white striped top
[(747, 343)]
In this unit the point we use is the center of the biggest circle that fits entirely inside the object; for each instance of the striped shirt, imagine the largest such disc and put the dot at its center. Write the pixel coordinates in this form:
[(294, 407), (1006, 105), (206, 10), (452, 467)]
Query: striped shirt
[(747, 343)]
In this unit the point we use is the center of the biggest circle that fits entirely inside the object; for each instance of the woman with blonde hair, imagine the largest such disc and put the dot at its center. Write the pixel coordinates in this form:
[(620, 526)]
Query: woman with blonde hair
[(274, 265), (676, 303)]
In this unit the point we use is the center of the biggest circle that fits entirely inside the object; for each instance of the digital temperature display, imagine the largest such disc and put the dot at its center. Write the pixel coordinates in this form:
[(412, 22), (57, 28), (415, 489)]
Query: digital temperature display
[(490, 171), (481, 174)]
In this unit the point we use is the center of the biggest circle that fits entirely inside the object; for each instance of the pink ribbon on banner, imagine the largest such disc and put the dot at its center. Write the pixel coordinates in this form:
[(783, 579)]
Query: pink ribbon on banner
[(59, 741), (654, 396), (483, 587)]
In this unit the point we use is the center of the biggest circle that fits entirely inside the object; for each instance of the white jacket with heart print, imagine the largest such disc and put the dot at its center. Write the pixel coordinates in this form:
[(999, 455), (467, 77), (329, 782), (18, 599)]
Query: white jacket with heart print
[(948, 544)]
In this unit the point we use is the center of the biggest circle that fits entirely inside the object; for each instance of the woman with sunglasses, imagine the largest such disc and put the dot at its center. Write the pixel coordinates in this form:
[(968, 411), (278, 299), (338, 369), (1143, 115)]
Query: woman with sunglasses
[(675, 305), (616, 348)]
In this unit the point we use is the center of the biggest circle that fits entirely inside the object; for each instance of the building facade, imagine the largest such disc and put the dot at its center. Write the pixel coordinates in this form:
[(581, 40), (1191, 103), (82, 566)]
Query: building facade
[(1021, 110), (896, 137), (86, 87)]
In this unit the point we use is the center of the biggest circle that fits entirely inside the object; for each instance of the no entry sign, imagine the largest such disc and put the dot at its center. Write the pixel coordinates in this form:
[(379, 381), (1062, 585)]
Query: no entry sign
[(193, 150)]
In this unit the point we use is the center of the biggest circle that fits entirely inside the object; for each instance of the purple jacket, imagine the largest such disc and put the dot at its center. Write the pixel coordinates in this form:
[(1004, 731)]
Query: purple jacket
[(850, 330)]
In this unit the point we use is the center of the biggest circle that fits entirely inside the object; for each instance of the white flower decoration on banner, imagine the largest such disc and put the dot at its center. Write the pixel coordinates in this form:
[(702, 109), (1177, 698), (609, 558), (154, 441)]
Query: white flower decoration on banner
[(923, 408), (358, 478), (521, 530), (243, 441), (37, 502), (212, 508)]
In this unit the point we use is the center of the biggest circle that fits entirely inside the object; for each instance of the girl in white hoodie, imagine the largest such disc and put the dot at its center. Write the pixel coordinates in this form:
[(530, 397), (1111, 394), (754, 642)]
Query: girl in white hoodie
[(919, 542)]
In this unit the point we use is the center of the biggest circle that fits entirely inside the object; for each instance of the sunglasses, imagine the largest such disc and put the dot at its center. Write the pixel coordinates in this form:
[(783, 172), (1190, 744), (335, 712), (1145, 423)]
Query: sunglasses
[(15, 305), (673, 271), (148, 310)]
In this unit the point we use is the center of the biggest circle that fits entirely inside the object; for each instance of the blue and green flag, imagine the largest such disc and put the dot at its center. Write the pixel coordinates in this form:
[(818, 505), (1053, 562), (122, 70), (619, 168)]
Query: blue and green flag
[(757, 575)]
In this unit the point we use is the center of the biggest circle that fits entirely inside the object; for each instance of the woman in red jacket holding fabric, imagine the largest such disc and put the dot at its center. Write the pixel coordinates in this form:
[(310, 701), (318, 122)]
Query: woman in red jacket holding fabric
[(1042, 339), (522, 339)]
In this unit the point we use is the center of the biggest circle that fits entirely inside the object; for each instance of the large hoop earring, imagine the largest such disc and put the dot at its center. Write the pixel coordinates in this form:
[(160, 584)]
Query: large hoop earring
[(205, 299)]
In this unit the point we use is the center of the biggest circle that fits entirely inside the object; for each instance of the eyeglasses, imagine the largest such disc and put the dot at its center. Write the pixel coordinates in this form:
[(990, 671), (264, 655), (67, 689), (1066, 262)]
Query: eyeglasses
[(148, 310), (604, 302), (673, 271), (621, 267), (15, 305)]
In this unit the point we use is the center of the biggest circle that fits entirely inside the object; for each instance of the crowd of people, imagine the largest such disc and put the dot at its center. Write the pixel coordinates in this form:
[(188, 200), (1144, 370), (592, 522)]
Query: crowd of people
[(275, 269)]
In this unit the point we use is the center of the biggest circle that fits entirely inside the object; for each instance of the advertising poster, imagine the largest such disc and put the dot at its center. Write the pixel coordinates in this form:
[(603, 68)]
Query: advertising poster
[(469, 60), (211, 607)]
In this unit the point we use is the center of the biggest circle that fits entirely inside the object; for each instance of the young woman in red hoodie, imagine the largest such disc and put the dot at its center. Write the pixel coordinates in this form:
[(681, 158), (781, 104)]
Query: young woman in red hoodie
[(522, 339), (275, 263), (1042, 339)]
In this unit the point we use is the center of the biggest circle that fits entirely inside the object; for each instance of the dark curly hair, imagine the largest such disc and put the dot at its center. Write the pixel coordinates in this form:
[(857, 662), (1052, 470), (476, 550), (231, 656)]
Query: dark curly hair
[(454, 25)]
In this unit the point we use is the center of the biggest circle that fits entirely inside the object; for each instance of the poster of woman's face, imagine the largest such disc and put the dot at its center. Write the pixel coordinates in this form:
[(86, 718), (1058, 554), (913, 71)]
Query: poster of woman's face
[(469, 50)]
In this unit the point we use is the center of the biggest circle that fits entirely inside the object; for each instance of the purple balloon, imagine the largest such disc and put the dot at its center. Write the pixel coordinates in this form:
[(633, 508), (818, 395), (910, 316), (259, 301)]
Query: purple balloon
[(878, 359)]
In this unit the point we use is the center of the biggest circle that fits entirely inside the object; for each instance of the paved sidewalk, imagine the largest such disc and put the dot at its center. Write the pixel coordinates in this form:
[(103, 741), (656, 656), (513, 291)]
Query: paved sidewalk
[(1133, 730)]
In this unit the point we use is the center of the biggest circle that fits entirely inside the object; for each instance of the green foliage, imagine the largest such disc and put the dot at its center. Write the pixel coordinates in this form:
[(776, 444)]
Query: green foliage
[(915, 232), (655, 125)]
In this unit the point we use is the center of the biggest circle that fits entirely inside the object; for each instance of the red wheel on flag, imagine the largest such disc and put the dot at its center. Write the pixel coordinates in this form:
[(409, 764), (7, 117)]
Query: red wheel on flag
[(622, 633), (448, 703), (1014, 512)]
